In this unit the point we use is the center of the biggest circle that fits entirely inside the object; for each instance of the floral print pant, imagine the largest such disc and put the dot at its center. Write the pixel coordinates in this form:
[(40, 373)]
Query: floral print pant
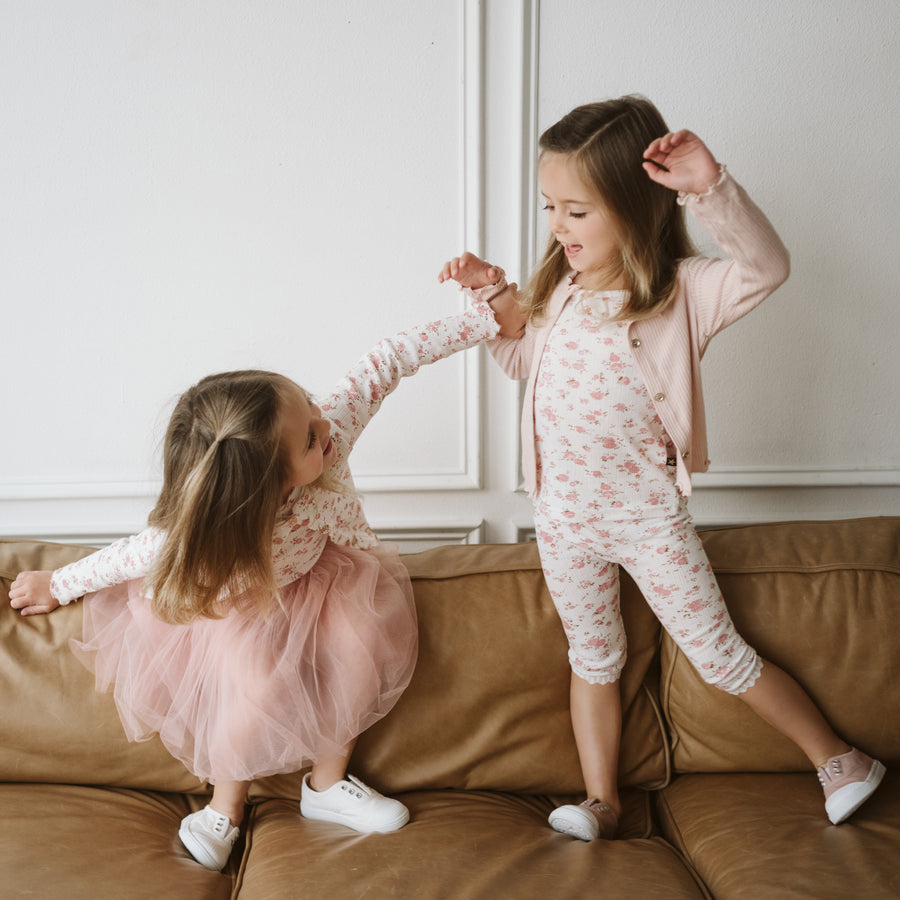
[(667, 561)]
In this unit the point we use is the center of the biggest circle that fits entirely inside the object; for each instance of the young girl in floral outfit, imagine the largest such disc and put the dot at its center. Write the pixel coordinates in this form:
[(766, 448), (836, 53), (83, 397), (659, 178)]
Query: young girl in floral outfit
[(612, 329)]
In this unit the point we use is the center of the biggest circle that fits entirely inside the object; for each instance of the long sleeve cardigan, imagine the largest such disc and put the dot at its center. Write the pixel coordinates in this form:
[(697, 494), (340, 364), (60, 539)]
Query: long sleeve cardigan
[(711, 294)]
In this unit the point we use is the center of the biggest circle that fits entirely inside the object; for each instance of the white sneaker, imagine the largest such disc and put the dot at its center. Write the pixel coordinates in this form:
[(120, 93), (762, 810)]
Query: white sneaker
[(209, 837), (353, 804)]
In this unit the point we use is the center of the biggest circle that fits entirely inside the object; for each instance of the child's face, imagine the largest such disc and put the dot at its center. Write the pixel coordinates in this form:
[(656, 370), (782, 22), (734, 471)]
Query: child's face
[(578, 221), (308, 449)]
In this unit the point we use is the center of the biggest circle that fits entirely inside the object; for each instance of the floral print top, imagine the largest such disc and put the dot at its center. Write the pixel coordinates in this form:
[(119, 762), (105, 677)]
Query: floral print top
[(710, 294), (312, 515), (601, 447)]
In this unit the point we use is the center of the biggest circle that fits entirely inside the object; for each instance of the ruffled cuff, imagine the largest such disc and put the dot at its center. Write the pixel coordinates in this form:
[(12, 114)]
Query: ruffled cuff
[(59, 594), (685, 197), (490, 291), (481, 308)]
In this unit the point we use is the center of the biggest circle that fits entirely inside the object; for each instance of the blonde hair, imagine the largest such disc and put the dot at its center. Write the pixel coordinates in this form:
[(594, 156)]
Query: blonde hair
[(606, 141), (223, 482)]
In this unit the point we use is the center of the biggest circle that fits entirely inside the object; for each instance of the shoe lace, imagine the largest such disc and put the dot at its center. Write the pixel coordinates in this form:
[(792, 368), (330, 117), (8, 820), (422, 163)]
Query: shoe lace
[(836, 769)]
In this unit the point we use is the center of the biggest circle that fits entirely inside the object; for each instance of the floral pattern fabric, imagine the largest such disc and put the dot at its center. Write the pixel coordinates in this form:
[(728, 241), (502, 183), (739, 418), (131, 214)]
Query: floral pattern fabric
[(601, 447), (667, 561), (608, 497), (312, 515)]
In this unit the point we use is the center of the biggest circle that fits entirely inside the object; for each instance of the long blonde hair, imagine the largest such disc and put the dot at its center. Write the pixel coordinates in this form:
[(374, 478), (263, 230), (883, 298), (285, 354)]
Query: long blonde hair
[(606, 140), (223, 481)]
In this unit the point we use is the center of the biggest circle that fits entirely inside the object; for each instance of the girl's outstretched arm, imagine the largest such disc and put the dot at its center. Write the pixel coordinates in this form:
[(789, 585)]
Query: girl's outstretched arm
[(30, 593), (682, 162), (472, 273), (127, 558), (359, 395)]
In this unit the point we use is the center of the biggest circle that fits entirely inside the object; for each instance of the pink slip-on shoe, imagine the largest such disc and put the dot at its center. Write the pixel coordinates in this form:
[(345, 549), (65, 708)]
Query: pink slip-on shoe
[(590, 820), (848, 781)]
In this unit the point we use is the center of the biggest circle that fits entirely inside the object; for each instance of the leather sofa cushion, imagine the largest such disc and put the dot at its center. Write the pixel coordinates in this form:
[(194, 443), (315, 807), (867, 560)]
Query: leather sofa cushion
[(487, 707), (55, 727), (758, 835), (457, 844), (83, 843), (819, 599)]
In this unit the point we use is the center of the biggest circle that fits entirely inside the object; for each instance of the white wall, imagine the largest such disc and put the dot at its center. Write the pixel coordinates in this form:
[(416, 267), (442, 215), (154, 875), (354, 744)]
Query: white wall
[(800, 99), (192, 186)]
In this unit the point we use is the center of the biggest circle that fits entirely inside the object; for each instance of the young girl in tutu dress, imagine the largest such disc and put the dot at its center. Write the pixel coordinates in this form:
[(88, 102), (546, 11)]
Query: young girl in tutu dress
[(257, 625)]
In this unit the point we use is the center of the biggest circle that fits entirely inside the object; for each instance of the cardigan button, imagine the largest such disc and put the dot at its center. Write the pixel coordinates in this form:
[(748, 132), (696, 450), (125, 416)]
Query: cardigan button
[(659, 396), (635, 342), (686, 454)]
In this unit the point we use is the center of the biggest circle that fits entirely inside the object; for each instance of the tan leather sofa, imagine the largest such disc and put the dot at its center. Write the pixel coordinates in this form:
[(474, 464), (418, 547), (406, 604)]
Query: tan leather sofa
[(480, 748)]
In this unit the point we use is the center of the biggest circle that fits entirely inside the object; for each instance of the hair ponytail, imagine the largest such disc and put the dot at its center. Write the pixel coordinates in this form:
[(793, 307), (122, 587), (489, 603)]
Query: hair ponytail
[(222, 486)]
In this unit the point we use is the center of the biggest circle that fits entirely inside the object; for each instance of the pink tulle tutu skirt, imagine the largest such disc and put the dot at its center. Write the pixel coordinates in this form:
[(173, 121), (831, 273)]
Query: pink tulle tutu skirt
[(246, 696)]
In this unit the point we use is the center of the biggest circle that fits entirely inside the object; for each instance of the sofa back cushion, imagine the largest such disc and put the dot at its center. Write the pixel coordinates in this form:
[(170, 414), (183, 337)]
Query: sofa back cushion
[(822, 601), (488, 706), (55, 728)]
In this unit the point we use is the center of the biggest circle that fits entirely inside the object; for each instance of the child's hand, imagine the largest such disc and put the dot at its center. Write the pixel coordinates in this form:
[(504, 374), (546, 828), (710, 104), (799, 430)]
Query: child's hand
[(30, 593), (470, 272), (691, 167)]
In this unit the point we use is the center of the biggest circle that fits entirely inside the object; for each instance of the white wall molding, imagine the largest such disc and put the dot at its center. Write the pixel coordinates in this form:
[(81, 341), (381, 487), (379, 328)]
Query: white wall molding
[(526, 197), (415, 536), (471, 156), (411, 537), (794, 477), (524, 533), (60, 491), (471, 115), (96, 538), (95, 513)]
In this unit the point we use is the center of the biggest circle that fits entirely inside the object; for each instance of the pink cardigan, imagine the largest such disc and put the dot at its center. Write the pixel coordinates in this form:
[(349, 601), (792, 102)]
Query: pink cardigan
[(668, 347)]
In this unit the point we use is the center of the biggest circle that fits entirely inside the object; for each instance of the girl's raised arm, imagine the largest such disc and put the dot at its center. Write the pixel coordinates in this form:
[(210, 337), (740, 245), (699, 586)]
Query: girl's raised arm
[(682, 162)]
